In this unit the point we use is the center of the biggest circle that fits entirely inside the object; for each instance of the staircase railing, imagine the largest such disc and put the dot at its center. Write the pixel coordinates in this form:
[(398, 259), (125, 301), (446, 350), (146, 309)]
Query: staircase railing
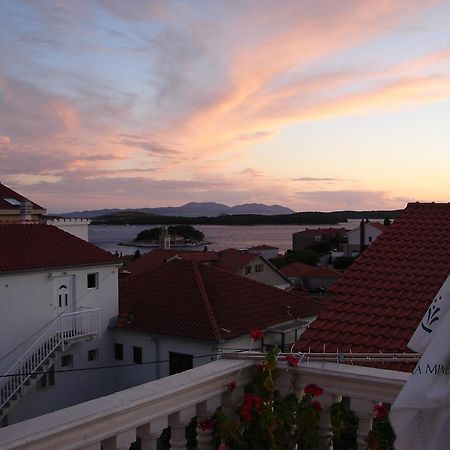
[(65, 328)]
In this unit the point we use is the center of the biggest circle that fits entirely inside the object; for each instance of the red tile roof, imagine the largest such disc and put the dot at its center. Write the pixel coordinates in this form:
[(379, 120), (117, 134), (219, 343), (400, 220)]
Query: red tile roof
[(40, 246), (230, 259), (234, 260), (6, 192), (297, 269), (186, 298), (157, 257), (380, 300)]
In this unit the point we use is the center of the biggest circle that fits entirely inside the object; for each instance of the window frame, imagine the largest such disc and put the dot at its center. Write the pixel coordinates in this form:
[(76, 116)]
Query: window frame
[(67, 360), (93, 354), (138, 355), (117, 352), (93, 276)]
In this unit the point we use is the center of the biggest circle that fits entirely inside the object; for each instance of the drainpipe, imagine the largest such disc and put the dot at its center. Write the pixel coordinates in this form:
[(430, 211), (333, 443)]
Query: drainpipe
[(155, 340), (362, 236)]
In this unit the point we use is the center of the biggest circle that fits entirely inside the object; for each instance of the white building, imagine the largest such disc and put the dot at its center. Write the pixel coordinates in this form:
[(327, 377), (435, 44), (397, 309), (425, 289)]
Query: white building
[(183, 314), (366, 232), (14, 207), (57, 296), (76, 227)]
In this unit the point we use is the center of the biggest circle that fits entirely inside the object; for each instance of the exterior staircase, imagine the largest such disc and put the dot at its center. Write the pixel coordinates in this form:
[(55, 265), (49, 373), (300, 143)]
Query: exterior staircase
[(57, 337)]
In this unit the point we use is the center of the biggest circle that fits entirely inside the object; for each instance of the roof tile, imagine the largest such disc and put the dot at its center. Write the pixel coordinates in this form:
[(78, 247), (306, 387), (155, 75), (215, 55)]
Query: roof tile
[(38, 246), (381, 298)]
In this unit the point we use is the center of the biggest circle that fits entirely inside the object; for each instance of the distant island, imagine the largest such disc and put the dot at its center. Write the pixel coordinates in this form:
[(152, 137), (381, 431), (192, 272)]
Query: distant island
[(180, 236), (212, 213), (133, 217)]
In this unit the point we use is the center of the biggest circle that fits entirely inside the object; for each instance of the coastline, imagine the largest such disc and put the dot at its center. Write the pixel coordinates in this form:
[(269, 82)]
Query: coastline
[(156, 244)]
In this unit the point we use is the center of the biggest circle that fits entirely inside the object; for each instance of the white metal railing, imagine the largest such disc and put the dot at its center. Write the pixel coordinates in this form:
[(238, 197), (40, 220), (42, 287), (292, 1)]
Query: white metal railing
[(115, 421), (62, 330)]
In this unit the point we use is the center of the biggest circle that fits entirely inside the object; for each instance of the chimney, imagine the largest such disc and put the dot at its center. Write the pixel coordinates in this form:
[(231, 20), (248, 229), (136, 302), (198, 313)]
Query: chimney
[(26, 211), (362, 236), (164, 238)]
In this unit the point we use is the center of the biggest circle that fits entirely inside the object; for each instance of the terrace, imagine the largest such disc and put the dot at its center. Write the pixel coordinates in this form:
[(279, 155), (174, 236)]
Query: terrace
[(114, 422)]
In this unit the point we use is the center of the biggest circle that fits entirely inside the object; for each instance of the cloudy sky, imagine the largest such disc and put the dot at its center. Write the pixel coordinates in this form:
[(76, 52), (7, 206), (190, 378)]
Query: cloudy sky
[(312, 104)]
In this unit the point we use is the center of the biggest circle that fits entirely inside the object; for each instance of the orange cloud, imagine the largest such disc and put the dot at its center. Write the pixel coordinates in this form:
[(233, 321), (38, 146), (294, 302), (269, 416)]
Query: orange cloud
[(259, 101)]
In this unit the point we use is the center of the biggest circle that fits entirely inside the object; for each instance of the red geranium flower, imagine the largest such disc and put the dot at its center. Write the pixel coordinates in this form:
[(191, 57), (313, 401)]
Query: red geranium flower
[(256, 334), (316, 405), (231, 386), (292, 360), (251, 402), (313, 390), (381, 410), (206, 424)]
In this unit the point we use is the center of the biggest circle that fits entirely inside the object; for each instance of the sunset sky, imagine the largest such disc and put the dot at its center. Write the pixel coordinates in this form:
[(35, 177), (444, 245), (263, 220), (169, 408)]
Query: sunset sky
[(311, 104)]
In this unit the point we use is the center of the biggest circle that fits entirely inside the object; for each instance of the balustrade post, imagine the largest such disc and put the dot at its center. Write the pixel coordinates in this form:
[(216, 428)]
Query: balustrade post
[(325, 432), (205, 411), (120, 441), (363, 410), (178, 423), (150, 432)]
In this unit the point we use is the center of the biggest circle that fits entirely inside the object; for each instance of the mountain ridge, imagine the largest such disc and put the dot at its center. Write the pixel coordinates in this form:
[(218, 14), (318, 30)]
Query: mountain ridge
[(191, 209)]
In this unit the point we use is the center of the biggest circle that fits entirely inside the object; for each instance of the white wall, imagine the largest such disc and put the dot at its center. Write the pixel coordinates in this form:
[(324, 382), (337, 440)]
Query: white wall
[(370, 232), (76, 227), (269, 274), (156, 348), (28, 303)]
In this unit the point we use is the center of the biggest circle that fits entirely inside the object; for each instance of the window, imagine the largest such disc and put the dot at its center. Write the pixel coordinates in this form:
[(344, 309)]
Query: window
[(48, 379), (63, 296), (93, 354), (248, 269), (370, 238), (179, 362), (137, 355), (92, 280), (259, 267), (118, 351), (13, 201), (67, 361)]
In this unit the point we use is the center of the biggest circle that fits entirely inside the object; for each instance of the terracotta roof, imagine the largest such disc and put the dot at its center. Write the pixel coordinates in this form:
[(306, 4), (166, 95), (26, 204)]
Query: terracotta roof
[(234, 260), (230, 259), (323, 231), (380, 300), (40, 246), (7, 193), (297, 269), (186, 298), (157, 257)]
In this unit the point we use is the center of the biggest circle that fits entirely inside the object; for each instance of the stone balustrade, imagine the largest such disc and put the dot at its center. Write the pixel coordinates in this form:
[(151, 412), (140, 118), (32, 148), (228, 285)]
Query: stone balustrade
[(114, 422)]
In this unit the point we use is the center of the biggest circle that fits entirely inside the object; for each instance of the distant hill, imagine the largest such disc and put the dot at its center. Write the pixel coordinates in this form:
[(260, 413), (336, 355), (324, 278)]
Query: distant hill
[(192, 209), (132, 217)]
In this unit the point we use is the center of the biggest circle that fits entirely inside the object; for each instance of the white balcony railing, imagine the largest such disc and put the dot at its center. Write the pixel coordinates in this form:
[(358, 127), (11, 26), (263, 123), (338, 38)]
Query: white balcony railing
[(115, 421)]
